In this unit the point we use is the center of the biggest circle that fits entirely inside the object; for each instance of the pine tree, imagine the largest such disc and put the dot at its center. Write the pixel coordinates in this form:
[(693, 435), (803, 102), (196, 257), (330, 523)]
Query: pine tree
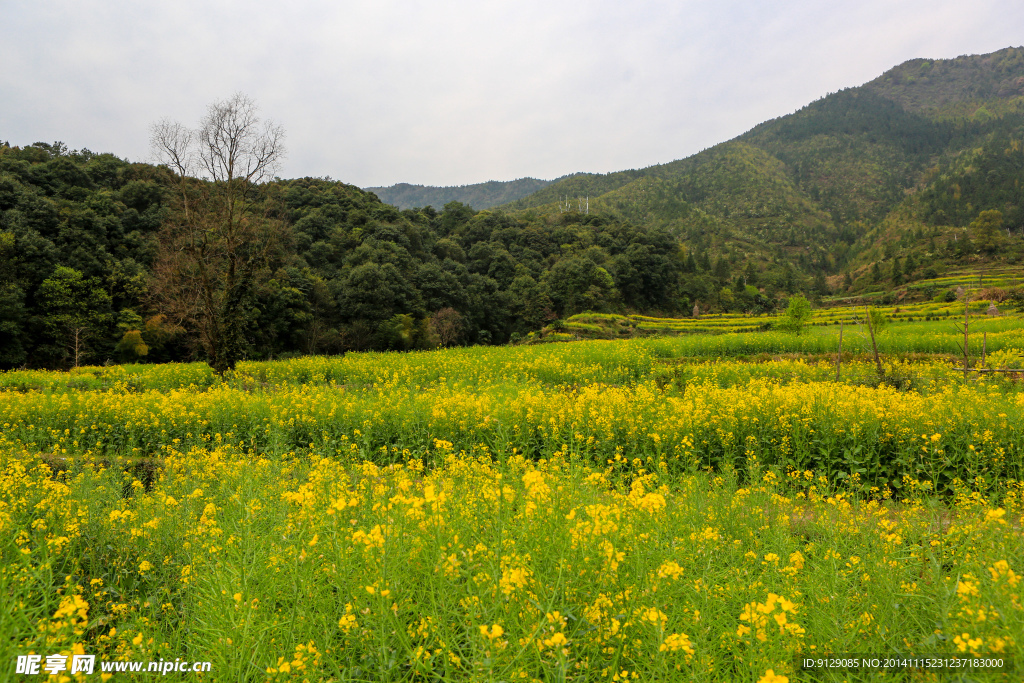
[(909, 266)]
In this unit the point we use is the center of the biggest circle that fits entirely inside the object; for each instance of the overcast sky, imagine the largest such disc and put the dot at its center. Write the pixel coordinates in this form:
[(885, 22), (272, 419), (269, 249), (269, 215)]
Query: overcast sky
[(450, 92)]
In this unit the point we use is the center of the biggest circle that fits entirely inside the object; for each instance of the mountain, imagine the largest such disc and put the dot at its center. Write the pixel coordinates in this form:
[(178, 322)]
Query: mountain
[(951, 88), (859, 178), (479, 195)]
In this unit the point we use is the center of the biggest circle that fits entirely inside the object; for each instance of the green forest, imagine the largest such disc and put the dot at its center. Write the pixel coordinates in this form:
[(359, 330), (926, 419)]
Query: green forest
[(84, 236), (478, 195)]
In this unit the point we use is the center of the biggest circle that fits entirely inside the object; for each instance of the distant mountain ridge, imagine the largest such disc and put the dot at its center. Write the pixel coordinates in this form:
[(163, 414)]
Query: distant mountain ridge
[(478, 195), (940, 87), (853, 179), (872, 180)]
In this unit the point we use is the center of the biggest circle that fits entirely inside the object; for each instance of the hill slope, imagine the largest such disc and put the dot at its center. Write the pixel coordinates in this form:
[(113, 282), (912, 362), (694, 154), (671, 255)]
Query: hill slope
[(868, 174), (479, 195)]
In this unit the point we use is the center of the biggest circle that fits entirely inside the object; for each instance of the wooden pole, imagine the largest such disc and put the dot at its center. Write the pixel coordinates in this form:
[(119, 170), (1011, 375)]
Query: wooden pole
[(839, 356), (984, 344), (967, 300), (874, 345)]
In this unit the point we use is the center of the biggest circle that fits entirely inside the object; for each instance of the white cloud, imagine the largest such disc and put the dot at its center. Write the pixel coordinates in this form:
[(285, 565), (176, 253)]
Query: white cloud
[(450, 92)]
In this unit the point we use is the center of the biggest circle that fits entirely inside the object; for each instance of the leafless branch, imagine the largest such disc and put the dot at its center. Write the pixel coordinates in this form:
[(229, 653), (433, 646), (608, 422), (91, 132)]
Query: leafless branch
[(212, 249)]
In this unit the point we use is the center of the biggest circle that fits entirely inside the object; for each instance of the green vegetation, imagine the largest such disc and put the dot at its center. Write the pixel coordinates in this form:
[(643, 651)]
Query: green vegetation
[(334, 270), (479, 195), (865, 190), (532, 512), (919, 328), (797, 314)]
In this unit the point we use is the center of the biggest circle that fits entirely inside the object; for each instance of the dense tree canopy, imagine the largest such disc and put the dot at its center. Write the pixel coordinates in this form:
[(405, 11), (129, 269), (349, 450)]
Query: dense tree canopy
[(83, 241)]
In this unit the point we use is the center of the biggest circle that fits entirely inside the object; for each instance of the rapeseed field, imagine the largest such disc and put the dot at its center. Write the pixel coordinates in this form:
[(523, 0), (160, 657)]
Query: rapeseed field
[(602, 511)]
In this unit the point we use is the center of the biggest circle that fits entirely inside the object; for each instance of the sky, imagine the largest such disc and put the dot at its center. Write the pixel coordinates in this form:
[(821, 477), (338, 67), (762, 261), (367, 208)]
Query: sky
[(452, 92)]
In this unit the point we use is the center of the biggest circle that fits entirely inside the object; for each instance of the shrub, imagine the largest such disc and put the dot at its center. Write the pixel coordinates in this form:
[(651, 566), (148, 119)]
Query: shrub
[(797, 314)]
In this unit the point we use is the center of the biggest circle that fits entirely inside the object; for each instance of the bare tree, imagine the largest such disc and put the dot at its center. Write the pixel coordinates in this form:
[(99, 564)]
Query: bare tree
[(447, 326), (220, 235)]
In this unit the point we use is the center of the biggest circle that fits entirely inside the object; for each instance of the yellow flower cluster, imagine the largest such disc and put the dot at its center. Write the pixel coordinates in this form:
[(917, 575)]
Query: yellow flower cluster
[(762, 619), (428, 523)]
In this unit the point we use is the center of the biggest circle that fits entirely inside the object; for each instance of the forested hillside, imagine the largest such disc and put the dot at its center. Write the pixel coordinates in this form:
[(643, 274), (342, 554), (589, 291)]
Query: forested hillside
[(844, 190), (84, 242), (479, 195), (968, 86)]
